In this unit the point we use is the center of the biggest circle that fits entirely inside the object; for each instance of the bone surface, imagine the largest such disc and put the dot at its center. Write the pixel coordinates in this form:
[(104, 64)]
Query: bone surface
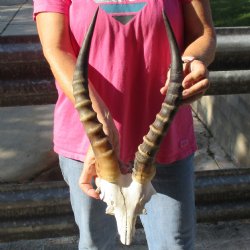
[(125, 200)]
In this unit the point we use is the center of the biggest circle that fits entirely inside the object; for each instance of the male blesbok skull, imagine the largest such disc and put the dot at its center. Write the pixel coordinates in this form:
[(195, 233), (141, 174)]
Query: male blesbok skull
[(126, 195)]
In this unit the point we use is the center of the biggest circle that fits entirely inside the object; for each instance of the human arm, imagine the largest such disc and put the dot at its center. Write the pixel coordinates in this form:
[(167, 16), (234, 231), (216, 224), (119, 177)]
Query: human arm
[(200, 43), (53, 30), (54, 33)]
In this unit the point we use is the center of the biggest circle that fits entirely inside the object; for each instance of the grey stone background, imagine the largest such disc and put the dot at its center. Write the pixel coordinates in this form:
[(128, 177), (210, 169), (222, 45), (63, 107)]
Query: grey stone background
[(26, 152)]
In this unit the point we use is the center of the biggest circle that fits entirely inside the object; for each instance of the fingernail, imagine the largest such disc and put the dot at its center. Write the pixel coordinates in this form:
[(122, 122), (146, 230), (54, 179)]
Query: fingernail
[(185, 92)]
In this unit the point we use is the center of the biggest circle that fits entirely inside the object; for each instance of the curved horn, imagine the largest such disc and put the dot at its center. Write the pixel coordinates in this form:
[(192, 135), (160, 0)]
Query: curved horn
[(107, 163), (144, 168)]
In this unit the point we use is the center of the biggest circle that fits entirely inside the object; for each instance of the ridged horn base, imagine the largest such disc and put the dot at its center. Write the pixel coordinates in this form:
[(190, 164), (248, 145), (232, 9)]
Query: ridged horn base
[(108, 167), (143, 173)]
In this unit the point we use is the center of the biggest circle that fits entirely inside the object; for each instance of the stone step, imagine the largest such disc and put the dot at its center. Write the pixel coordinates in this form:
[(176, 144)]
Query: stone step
[(39, 199), (231, 235), (229, 82), (27, 92), (233, 49), (39, 209), (31, 227), (216, 186), (21, 56), (26, 79), (20, 92), (36, 228)]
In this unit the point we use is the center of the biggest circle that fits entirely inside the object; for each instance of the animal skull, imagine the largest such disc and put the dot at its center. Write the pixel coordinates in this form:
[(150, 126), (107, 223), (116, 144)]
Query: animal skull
[(126, 195), (125, 200)]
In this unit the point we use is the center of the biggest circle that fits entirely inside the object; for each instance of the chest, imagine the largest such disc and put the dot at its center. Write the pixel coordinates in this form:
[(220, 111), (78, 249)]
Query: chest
[(124, 19)]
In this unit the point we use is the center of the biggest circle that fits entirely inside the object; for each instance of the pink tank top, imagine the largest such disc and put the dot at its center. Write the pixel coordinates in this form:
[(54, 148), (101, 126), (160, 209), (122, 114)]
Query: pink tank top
[(128, 64)]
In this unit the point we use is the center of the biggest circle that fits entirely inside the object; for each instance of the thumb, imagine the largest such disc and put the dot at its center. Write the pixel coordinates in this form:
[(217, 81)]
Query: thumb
[(88, 173), (164, 89)]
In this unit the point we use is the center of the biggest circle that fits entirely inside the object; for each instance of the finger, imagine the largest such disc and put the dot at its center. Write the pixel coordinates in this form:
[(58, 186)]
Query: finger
[(85, 180), (198, 88), (194, 76), (85, 183), (164, 89), (89, 190)]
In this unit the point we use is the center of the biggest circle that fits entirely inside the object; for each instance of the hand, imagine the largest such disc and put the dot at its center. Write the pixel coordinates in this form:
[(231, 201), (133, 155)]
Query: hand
[(195, 82), (89, 170), (87, 175)]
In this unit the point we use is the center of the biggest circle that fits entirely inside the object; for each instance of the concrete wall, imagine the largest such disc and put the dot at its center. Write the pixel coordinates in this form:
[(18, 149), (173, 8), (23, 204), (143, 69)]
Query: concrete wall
[(227, 118)]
